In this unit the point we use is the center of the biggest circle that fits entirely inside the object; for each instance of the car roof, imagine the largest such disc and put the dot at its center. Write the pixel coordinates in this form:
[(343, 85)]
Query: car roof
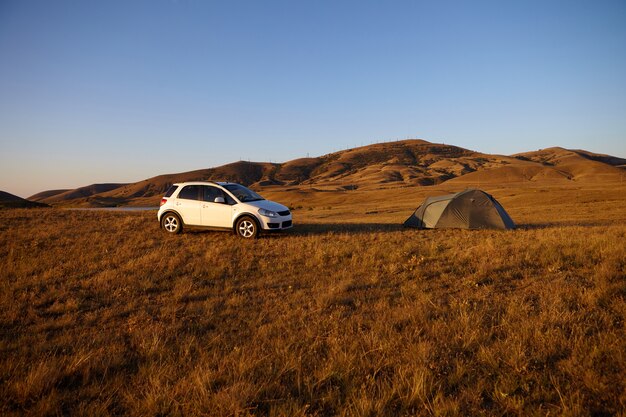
[(221, 183)]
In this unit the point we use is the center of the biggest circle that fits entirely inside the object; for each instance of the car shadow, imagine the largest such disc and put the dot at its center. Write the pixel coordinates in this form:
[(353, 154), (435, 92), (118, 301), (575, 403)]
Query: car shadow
[(307, 229)]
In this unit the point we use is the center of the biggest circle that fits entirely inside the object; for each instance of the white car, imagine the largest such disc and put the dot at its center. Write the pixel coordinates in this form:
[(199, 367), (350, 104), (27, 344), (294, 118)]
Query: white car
[(220, 206)]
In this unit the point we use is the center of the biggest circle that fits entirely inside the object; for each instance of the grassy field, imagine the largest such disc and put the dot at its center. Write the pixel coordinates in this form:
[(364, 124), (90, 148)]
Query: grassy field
[(101, 313)]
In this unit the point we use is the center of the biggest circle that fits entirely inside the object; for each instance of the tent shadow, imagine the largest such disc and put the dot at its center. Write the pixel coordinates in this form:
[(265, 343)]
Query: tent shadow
[(535, 226), (551, 225)]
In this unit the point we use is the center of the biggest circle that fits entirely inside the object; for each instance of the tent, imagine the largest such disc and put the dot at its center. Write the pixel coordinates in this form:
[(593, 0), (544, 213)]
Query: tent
[(469, 209)]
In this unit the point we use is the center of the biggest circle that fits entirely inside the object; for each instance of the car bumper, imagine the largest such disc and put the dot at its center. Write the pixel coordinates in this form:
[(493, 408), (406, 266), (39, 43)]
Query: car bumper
[(276, 223)]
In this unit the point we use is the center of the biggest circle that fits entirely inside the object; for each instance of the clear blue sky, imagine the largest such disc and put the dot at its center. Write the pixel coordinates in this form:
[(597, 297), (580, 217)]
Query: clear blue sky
[(118, 91)]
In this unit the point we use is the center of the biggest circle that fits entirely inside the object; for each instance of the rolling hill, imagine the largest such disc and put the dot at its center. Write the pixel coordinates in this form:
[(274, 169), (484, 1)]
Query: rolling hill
[(58, 196), (46, 194), (392, 164), (8, 200), (578, 164)]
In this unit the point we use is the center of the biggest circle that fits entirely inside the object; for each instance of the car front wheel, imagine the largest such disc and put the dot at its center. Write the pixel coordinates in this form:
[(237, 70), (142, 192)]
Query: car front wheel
[(171, 223), (247, 228)]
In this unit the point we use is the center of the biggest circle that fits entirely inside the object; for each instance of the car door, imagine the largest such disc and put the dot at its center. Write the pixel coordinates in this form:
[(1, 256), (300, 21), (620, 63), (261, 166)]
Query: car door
[(188, 205), (215, 214)]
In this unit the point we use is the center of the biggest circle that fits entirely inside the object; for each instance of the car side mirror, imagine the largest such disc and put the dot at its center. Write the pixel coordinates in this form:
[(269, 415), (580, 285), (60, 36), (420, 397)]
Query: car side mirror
[(219, 200)]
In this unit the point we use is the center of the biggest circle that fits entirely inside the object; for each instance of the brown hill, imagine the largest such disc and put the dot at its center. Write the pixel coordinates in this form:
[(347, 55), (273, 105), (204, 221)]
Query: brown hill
[(8, 200), (78, 193), (46, 194), (607, 159), (577, 164), (409, 162), (551, 164), (383, 165), (242, 172)]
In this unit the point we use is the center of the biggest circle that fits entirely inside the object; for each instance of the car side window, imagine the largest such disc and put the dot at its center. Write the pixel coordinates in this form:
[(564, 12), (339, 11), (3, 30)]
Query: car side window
[(189, 192), (211, 193)]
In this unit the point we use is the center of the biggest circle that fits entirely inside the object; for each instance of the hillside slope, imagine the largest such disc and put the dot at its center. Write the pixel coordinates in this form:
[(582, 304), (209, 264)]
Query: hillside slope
[(409, 162), (78, 193), (241, 172), (551, 164), (8, 200), (46, 194), (578, 164)]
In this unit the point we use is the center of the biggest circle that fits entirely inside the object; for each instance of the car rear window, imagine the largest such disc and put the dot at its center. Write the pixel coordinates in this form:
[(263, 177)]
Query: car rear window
[(170, 190)]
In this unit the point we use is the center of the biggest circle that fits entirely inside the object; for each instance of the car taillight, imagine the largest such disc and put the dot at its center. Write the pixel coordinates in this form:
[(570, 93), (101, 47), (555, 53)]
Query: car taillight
[(163, 201)]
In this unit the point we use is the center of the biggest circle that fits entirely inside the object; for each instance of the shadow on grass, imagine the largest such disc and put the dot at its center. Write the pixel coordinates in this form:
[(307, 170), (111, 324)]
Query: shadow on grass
[(552, 225), (536, 226), (306, 229), (312, 229)]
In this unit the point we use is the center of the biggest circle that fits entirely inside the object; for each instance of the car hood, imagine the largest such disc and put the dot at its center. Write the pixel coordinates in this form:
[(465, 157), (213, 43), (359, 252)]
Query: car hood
[(267, 205)]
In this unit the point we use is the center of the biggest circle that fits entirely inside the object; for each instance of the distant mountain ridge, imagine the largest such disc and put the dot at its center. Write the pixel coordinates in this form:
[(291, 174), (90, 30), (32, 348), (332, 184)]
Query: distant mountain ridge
[(413, 162)]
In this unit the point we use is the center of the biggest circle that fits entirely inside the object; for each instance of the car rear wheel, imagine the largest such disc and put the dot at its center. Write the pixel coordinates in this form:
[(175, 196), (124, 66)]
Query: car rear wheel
[(247, 228), (171, 223)]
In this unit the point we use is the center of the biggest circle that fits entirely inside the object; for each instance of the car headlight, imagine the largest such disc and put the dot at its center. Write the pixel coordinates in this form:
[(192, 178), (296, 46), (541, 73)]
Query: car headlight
[(268, 213)]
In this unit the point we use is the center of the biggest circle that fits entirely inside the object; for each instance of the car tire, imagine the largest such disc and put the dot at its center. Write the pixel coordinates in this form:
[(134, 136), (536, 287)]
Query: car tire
[(171, 223), (247, 228)]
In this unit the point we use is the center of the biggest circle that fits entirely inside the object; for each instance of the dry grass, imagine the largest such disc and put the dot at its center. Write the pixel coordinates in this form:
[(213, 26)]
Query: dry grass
[(102, 314)]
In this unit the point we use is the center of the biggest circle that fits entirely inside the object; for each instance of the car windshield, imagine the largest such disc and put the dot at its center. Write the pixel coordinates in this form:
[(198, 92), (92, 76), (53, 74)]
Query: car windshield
[(242, 193)]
